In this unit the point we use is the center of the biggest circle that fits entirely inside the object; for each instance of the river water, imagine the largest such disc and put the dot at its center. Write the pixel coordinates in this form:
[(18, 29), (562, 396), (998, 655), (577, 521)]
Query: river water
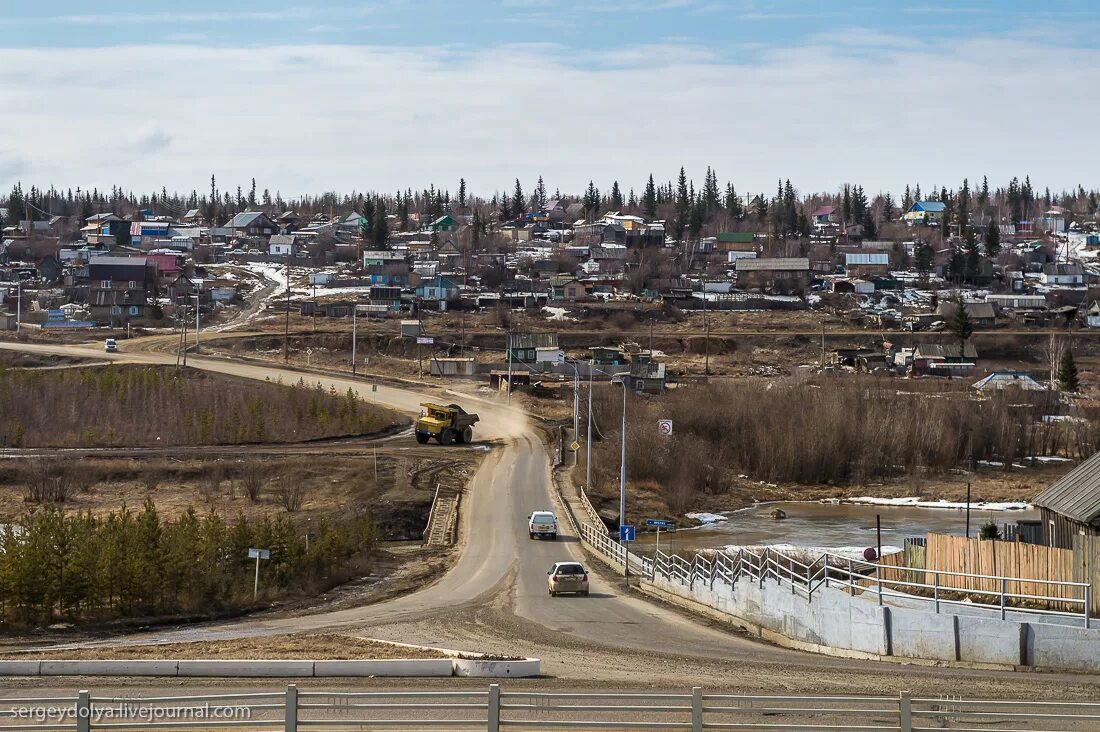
[(828, 526)]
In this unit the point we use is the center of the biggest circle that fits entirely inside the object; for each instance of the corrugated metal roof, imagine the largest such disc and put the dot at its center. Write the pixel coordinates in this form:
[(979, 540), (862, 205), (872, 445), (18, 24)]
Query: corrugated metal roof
[(789, 264), (929, 206), (1077, 494), (866, 258)]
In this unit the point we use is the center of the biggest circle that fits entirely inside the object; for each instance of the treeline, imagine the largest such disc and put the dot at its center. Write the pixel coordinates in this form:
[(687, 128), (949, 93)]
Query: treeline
[(814, 434), (118, 405), (82, 568), (685, 205)]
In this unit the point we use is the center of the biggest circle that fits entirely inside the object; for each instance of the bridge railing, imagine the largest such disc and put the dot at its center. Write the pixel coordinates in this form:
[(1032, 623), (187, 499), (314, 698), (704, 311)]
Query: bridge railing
[(493, 709)]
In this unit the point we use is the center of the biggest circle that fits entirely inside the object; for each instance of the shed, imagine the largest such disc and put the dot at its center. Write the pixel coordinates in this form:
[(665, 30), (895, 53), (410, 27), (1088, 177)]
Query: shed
[(981, 313), (453, 367), (1071, 506)]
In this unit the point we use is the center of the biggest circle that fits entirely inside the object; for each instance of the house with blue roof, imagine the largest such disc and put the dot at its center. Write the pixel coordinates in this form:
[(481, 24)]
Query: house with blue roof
[(930, 213)]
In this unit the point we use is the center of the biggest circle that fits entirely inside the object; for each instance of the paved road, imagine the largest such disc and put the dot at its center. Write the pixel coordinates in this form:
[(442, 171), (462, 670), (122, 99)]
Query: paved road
[(494, 596)]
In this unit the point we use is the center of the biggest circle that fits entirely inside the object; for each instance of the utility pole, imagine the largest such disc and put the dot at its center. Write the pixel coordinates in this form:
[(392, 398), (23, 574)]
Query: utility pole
[(18, 304), (706, 323), (588, 459), (822, 344), (196, 323), (508, 341), (286, 328), (354, 323)]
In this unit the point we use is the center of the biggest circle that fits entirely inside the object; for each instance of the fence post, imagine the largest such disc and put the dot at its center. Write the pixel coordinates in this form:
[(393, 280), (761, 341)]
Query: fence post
[(290, 714), (83, 711), (936, 590), (905, 712), (494, 708), (1004, 585), (1088, 603), (696, 709), (851, 589), (878, 579)]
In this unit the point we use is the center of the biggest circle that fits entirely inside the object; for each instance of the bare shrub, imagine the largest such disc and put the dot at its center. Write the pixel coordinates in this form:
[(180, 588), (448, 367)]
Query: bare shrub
[(252, 480), (48, 482), (290, 496)]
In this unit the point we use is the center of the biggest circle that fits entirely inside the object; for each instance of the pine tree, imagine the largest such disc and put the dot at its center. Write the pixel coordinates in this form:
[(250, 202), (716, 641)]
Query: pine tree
[(683, 206), (649, 199), (505, 208), (924, 256), (252, 195), (632, 201), (1068, 378), (956, 264), (462, 192)]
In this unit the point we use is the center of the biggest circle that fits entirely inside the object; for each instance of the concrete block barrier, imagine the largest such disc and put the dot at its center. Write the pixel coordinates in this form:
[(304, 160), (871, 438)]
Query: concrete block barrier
[(19, 668), (136, 667), (487, 669), (385, 667), (250, 669)]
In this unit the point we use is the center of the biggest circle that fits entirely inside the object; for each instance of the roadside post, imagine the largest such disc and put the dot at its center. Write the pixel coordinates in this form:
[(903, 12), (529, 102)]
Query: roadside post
[(626, 535), (258, 554), (660, 524)]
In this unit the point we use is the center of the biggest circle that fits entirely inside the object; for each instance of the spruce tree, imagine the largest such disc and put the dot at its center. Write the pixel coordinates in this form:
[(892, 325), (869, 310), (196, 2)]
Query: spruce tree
[(1068, 378), (381, 227), (540, 195), (616, 202), (960, 326), (518, 201), (462, 192), (992, 239), (649, 199)]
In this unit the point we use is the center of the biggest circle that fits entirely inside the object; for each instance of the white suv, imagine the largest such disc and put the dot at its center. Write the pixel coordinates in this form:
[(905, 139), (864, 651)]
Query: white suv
[(542, 523)]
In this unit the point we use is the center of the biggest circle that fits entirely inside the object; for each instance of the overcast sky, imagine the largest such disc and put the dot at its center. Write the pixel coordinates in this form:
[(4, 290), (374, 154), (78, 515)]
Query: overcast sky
[(393, 94)]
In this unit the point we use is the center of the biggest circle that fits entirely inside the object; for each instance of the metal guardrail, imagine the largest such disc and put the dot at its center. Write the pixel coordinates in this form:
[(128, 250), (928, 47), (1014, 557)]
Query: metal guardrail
[(492, 710), (860, 577)]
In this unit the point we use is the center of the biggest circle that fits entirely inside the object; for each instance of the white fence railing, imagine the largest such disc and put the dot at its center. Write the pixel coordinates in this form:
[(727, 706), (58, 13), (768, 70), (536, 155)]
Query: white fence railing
[(805, 575), (493, 709)]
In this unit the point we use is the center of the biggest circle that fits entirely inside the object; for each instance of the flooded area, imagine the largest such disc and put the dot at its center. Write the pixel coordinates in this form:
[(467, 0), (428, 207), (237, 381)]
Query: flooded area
[(829, 525)]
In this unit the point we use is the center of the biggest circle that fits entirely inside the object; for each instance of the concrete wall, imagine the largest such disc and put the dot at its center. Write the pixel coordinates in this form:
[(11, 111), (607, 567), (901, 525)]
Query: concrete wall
[(466, 666), (836, 623)]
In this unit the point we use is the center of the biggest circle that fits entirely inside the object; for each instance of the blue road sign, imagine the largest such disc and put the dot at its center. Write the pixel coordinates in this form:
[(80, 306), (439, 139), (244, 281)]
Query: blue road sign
[(626, 533), (660, 523)]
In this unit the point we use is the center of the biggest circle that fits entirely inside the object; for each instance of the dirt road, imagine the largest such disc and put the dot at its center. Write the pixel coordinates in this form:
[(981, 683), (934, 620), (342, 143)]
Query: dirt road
[(494, 597)]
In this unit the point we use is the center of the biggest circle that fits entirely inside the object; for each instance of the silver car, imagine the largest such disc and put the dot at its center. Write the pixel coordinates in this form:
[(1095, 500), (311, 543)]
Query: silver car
[(567, 577)]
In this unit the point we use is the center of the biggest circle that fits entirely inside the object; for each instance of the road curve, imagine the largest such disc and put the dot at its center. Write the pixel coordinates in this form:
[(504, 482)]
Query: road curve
[(499, 575)]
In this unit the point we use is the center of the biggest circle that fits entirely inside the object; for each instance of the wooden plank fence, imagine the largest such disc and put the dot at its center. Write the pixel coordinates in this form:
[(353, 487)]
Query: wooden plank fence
[(1025, 562)]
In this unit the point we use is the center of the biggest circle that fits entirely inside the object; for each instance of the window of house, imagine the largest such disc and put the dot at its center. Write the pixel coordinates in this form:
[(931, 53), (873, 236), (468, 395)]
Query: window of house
[(135, 310), (133, 284), (106, 284), (1053, 533)]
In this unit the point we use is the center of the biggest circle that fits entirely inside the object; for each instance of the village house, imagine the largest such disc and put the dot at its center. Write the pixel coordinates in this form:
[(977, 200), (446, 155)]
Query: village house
[(774, 274), (1072, 274), (646, 376), (929, 213), (527, 347), (980, 313), (736, 241), (252, 224), (824, 216), (943, 359), (867, 264), (438, 289), (119, 288), (282, 245)]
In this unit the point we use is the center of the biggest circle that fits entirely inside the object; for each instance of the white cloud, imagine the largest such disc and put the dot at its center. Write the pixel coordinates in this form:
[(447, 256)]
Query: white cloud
[(316, 118)]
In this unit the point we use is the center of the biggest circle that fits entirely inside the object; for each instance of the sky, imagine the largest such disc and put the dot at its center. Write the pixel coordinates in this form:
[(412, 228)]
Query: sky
[(382, 95)]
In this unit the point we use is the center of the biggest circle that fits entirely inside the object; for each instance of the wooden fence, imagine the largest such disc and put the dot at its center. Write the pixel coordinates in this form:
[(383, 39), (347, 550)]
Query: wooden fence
[(1026, 563)]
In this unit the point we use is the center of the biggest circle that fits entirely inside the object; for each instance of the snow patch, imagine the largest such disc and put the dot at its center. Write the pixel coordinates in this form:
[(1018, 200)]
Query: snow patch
[(915, 502), (845, 552), (557, 314), (707, 518)]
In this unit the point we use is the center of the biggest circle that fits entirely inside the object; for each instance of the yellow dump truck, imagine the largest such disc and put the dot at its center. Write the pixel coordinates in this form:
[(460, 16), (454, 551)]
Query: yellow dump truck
[(447, 424)]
